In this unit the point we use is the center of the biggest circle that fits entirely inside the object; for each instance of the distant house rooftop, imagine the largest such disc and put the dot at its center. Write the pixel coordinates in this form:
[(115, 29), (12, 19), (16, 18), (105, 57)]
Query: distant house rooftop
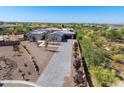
[(58, 33), (67, 32), (53, 29), (4, 32), (39, 31), (8, 26)]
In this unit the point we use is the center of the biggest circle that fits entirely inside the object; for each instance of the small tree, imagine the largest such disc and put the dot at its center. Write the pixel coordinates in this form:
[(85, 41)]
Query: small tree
[(114, 35)]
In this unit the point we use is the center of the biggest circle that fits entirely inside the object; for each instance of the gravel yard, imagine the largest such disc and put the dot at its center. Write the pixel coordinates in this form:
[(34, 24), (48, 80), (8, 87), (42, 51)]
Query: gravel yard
[(55, 63), (41, 55), (23, 68)]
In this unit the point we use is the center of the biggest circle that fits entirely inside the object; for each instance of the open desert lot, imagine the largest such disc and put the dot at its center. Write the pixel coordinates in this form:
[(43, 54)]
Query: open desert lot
[(18, 65), (40, 54)]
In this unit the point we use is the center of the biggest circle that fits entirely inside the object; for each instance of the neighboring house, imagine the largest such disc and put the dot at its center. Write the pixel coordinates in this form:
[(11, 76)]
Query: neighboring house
[(8, 26), (53, 34), (56, 36), (61, 35), (1, 38), (5, 32), (69, 34), (51, 30), (4, 42), (36, 35), (9, 43), (20, 37)]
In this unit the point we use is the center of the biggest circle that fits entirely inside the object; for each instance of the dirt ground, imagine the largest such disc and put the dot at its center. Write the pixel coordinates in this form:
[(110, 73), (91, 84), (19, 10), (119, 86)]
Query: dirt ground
[(40, 54), (21, 72), (19, 65)]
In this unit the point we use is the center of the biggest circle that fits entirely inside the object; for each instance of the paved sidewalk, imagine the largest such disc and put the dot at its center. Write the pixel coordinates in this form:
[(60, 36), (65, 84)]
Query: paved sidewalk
[(58, 67)]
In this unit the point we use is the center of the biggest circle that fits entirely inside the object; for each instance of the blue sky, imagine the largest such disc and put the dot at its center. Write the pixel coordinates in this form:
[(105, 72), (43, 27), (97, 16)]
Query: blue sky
[(64, 14)]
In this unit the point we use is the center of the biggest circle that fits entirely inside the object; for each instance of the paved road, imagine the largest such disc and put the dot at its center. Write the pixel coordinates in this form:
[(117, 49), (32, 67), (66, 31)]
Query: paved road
[(58, 67)]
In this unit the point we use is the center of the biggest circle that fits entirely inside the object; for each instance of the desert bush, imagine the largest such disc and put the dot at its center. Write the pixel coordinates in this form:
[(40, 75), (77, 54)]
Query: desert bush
[(75, 46), (115, 49), (113, 35), (102, 76), (20, 71), (119, 57), (77, 63), (97, 57), (75, 54), (79, 79), (29, 73), (100, 41), (16, 48), (122, 48), (92, 54)]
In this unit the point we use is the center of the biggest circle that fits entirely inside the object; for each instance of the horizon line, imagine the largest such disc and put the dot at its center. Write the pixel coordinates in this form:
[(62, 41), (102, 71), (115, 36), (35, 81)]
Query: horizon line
[(63, 22)]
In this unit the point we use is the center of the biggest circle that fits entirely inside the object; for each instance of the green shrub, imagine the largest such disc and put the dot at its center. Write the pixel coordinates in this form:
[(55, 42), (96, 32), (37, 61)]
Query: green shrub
[(96, 57), (121, 48), (114, 34), (100, 41), (92, 54), (119, 57), (102, 76), (115, 49)]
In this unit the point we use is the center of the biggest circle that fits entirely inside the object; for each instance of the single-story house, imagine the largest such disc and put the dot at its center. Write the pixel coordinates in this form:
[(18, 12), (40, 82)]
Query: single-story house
[(5, 42), (53, 34), (36, 35), (5, 32), (69, 34), (56, 36), (8, 26), (1, 38), (20, 37), (61, 35), (51, 30), (9, 43)]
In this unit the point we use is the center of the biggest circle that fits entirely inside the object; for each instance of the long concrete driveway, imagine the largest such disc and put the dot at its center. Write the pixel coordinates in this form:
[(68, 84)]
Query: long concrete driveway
[(58, 67)]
